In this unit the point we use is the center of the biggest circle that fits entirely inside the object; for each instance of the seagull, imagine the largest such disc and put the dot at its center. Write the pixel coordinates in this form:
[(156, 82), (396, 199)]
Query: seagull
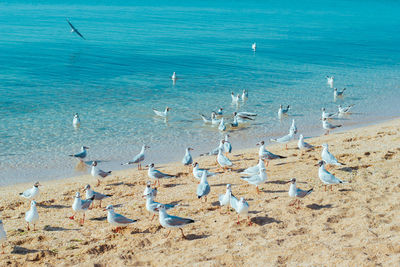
[(227, 145), (220, 112), (138, 158), (116, 219), (205, 119), (328, 158), (221, 126), (81, 155), (222, 160), (337, 93), (75, 30), (329, 80), (326, 115), (214, 120), (245, 95), (97, 196), (3, 236), (241, 117), (96, 172), (284, 139), (76, 122), (156, 174), (266, 155), (31, 193), (148, 190), (169, 221), (247, 114), (283, 111), (235, 99), (152, 205), (293, 127), (256, 179), (328, 126), (303, 145), (235, 122), (297, 192), (173, 77), (163, 114), (81, 206), (344, 110), (215, 150), (242, 208), (225, 199), (32, 216), (203, 189), (326, 177), (255, 169), (187, 159), (198, 173), (254, 47)]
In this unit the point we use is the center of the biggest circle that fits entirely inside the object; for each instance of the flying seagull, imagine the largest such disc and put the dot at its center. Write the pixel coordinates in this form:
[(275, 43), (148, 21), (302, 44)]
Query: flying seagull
[(75, 30)]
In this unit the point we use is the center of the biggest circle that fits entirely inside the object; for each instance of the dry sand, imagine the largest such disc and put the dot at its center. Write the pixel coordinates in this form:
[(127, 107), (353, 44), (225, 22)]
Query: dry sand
[(357, 224)]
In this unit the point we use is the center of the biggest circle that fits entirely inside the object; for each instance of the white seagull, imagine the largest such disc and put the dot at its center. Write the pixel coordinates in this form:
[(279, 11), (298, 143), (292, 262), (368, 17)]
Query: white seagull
[(97, 173), (3, 235), (81, 206), (215, 150), (241, 207), (263, 153), (337, 93), (225, 199), (138, 158), (174, 77), (97, 196), (187, 159), (235, 99), (303, 145), (163, 114), (245, 95), (328, 126), (283, 111), (169, 221), (75, 30), (76, 122), (152, 205), (284, 139), (198, 173), (293, 127), (220, 112), (150, 191), (227, 145), (221, 126), (32, 216), (329, 80), (203, 189), (327, 115), (156, 174), (255, 169), (256, 179), (31, 193), (81, 155), (222, 160), (116, 219), (254, 47), (326, 177), (344, 110), (297, 192), (328, 158)]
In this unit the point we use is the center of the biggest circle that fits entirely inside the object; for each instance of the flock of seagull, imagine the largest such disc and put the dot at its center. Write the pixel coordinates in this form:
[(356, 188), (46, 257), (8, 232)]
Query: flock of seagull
[(254, 175)]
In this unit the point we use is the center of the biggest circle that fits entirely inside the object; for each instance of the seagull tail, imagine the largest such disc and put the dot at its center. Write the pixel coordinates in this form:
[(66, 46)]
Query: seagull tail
[(344, 182), (282, 157), (109, 172), (21, 194), (309, 191), (273, 140), (109, 195)]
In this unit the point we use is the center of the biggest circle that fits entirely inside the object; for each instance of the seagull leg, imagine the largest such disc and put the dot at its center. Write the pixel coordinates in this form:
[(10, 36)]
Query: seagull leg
[(183, 235), (152, 217), (205, 199), (238, 222), (72, 217), (250, 223), (34, 227), (2, 248), (292, 203), (331, 188), (27, 227), (99, 204), (286, 146), (298, 204), (168, 233), (98, 182), (325, 188), (258, 190)]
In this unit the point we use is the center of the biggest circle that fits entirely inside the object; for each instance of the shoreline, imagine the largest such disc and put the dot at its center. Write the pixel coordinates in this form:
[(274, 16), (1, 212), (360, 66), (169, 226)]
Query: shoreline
[(355, 224)]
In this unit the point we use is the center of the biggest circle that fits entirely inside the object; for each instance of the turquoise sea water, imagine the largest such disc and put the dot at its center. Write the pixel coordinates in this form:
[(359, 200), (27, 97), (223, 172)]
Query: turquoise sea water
[(122, 70)]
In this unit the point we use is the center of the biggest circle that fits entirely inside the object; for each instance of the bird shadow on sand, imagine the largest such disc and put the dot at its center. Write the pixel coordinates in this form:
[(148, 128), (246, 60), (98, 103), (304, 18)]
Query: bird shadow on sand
[(57, 229), (170, 185), (222, 184), (319, 207), (23, 251), (90, 162), (175, 203), (273, 191), (345, 190), (52, 206), (263, 220), (102, 218), (115, 184), (284, 163), (215, 203), (195, 237)]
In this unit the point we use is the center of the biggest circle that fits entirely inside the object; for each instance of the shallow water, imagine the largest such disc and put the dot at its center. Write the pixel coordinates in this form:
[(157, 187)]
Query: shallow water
[(115, 77)]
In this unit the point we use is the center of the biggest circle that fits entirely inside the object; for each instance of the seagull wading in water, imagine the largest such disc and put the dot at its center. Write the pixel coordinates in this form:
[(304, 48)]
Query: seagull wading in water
[(297, 193), (241, 207), (76, 122), (116, 219), (75, 30), (254, 47), (97, 173), (31, 193), (81, 155), (163, 114), (138, 158), (329, 80), (169, 221), (328, 126), (326, 177)]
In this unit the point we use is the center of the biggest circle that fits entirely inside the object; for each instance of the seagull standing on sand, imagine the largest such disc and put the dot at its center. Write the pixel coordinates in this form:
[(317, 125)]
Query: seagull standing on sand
[(116, 219), (31, 193), (169, 221), (138, 158), (326, 177), (225, 199), (227, 145), (329, 80), (241, 207), (152, 205), (263, 153), (81, 206), (198, 173), (255, 169), (303, 145), (32, 216), (245, 95), (3, 236), (75, 30), (97, 196), (283, 111), (76, 122), (222, 160), (328, 126), (284, 139), (328, 158), (81, 155), (297, 192), (96, 172), (156, 174), (256, 179), (163, 114), (203, 189), (149, 191), (254, 47), (187, 159)]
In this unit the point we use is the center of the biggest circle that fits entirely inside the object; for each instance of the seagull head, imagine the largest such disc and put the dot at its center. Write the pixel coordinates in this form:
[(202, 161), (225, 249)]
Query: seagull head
[(195, 164), (84, 147), (146, 147), (76, 115), (293, 181), (260, 144), (228, 186), (335, 89), (242, 200), (87, 187), (321, 163), (322, 109), (109, 208), (168, 109), (94, 163), (77, 195), (189, 149), (160, 207), (324, 145), (301, 136), (150, 165), (36, 184), (33, 203)]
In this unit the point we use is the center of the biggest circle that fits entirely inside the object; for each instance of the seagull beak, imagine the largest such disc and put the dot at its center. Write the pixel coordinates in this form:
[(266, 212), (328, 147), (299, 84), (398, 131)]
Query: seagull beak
[(104, 209)]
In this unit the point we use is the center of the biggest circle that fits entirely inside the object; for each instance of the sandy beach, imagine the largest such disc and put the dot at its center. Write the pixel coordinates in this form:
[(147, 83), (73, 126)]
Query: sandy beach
[(356, 224)]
